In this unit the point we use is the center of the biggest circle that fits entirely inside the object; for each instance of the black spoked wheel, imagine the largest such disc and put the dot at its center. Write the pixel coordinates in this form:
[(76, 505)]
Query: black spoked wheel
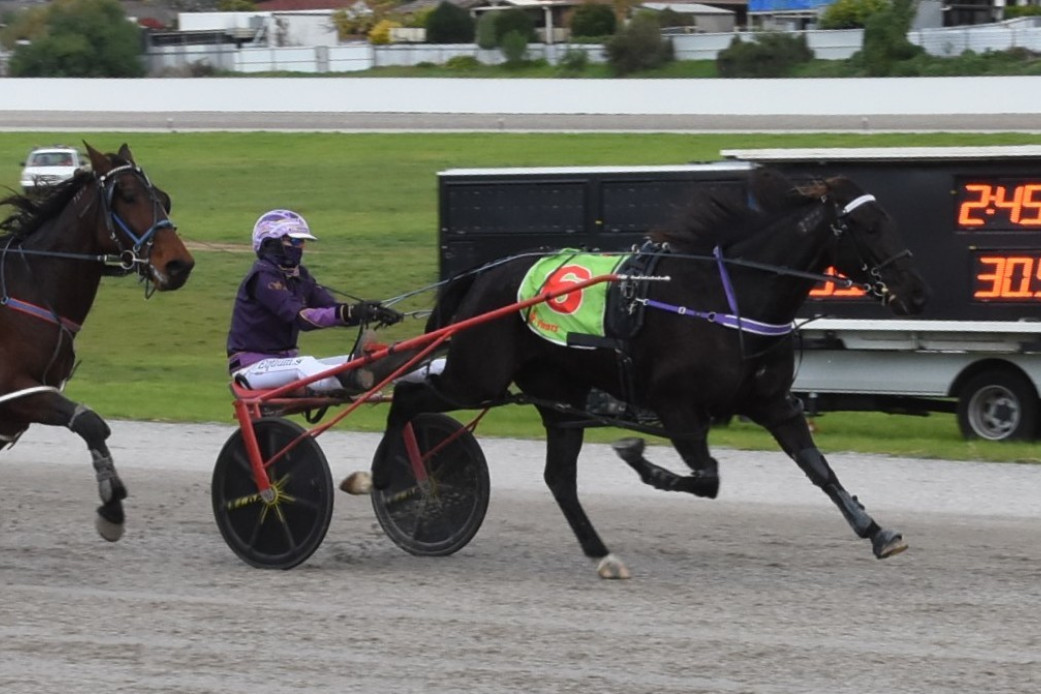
[(441, 514), (282, 531)]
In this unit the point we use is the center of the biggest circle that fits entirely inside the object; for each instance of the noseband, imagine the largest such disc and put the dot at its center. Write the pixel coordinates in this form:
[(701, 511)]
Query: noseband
[(876, 287), (137, 254)]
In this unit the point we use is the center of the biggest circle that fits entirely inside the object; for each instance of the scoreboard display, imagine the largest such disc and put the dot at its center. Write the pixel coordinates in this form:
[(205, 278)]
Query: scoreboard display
[(971, 217)]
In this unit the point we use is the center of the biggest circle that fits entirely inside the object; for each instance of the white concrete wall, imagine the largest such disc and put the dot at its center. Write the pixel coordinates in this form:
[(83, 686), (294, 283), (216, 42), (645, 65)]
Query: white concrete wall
[(799, 97)]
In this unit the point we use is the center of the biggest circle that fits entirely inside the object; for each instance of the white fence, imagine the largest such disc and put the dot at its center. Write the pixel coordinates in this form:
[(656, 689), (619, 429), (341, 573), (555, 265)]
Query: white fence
[(826, 45), (358, 56), (1024, 32)]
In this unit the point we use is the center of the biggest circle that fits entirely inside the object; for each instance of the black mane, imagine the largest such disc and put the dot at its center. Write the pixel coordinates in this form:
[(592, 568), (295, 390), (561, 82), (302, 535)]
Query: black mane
[(723, 217), (30, 213)]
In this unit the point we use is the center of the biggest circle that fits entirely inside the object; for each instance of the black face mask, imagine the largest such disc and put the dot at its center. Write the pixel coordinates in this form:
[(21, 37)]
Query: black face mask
[(284, 256)]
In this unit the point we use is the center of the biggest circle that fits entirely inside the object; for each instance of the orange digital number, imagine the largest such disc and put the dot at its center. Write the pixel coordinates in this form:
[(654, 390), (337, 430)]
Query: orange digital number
[(1019, 271), (1007, 277), (1014, 206), (1031, 201), (989, 282), (968, 207), (1001, 207)]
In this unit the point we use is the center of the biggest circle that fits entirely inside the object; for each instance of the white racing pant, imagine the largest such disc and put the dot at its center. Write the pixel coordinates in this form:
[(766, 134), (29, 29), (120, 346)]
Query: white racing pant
[(272, 373)]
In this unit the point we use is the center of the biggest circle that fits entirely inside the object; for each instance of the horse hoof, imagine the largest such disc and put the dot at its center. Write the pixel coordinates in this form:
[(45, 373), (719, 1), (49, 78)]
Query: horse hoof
[(107, 529), (612, 567), (886, 543), (358, 483), (699, 485), (630, 449)]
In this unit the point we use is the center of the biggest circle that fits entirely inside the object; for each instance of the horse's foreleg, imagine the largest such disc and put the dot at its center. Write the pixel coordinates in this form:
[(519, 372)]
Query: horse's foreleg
[(793, 434), (94, 431), (53, 409), (561, 476)]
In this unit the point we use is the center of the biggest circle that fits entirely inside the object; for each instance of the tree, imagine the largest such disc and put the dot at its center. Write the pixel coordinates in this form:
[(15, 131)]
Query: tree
[(639, 46), (450, 23), (514, 20), (773, 54), (885, 39), (81, 38), (850, 14), (593, 20), (486, 36)]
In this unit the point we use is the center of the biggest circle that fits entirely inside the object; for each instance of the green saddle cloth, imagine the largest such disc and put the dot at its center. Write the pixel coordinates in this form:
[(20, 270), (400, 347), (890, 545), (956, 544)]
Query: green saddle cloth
[(579, 312)]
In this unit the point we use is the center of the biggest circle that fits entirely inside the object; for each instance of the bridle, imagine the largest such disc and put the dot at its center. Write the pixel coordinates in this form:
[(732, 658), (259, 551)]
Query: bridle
[(137, 254), (134, 256), (134, 249), (876, 286)]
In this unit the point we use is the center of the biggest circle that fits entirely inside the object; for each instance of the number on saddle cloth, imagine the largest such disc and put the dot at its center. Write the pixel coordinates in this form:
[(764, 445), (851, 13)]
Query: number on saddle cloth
[(597, 316)]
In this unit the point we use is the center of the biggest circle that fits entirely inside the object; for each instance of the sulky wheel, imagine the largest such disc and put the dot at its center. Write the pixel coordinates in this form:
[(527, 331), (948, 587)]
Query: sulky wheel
[(284, 531), (441, 514)]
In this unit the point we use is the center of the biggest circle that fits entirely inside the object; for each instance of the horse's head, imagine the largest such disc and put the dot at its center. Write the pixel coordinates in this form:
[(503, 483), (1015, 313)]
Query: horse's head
[(137, 225), (869, 249)]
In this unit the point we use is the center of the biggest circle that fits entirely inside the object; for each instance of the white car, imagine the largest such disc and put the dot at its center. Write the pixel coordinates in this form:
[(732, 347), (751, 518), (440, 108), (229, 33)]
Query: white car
[(49, 166)]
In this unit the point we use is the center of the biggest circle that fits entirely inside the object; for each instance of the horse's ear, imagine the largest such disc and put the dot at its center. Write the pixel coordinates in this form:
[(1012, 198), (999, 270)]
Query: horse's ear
[(98, 161), (125, 154)]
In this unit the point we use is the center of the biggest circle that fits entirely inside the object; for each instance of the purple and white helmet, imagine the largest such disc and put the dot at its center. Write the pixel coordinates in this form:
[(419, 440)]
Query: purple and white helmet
[(275, 224)]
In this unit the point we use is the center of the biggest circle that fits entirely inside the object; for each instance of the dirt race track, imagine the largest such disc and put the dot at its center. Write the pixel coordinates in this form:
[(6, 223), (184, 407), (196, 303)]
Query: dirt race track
[(763, 590)]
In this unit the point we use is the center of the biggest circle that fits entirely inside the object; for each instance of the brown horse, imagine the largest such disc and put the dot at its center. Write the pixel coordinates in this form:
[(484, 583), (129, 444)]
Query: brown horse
[(53, 252)]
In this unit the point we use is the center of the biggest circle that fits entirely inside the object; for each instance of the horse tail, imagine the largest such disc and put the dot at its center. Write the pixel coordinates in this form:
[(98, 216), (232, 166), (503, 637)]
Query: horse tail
[(448, 300)]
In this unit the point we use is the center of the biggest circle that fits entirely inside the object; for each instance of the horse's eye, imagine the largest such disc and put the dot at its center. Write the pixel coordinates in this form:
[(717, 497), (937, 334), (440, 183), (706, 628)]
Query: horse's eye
[(127, 194)]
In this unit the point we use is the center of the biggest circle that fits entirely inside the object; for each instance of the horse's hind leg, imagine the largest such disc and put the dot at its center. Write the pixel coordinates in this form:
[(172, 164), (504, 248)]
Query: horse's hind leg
[(56, 410), (692, 447), (561, 476), (793, 433)]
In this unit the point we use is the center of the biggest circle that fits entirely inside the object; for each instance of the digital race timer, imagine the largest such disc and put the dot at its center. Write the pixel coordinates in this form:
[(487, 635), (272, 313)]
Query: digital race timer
[(998, 204), (1008, 276)]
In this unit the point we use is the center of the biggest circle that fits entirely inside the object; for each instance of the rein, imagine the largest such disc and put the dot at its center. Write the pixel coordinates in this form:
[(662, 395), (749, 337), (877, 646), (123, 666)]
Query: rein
[(734, 320)]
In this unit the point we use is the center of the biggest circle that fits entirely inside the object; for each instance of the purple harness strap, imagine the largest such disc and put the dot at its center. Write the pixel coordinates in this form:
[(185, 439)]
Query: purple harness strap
[(41, 313), (727, 320)]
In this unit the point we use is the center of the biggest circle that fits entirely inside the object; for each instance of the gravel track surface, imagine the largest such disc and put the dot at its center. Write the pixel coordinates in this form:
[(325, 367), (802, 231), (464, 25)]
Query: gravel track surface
[(762, 590)]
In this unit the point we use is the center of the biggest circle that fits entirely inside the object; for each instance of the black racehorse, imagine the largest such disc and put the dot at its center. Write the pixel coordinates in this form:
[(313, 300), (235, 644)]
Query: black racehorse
[(54, 249), (716, 341)]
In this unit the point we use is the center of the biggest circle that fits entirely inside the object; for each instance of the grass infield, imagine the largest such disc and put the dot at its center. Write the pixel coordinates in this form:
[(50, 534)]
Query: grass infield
[(372, 201)]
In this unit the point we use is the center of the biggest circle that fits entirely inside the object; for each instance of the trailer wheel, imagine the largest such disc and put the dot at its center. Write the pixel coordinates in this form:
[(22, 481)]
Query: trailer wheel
[(998, 406)]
